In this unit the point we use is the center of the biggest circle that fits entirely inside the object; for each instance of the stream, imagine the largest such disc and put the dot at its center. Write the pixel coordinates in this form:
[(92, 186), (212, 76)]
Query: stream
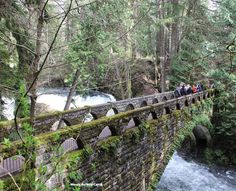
[(55, 98), (188, 175)]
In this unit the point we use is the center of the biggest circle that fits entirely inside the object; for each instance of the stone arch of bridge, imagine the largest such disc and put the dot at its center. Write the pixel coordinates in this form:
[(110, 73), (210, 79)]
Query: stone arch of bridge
[(202, 136), (155, 100), (186, 103), (107, 132), (143, 104), (164, 98), (178, 107), (133, 122), (64, 122), (112, 111), (129, 107), (89, 117), (199, 98), (167, 110)]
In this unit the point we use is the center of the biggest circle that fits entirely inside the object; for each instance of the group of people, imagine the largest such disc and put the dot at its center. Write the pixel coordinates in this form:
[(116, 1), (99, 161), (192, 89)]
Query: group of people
[(184, 89)]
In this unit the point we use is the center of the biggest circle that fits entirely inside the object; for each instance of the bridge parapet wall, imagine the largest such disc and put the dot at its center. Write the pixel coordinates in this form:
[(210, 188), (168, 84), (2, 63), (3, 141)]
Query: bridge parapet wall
[(44, 123), (49, 122)]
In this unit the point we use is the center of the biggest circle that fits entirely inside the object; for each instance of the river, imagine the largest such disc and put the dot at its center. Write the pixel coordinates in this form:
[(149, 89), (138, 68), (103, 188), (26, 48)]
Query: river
[(55, 98), (179, 175), (188, 175)]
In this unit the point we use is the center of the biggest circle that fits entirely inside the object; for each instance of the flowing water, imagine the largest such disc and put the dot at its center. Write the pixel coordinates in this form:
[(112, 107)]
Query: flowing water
[(183, 175), (55, 98), (8, 107)]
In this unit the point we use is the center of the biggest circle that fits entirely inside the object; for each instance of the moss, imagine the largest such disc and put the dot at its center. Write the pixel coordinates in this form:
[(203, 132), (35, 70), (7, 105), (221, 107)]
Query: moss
[(163, 118), (109, 145), (151, 128), (26, 180), (137, 133), (143, 128), (75, 155), (132, 134), (177, 114), (87, 151)]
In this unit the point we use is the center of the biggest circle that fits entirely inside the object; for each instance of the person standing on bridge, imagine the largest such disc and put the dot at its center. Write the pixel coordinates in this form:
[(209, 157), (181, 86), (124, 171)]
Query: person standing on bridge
[(188, 89), (199, 88), (183, 90), (177, 92), (1, 107), (194, 89)]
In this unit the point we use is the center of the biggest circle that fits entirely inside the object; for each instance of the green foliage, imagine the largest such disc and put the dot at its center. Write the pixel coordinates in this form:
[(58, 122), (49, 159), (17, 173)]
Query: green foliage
[(89, 55), (187, 66), (87, 151), (209, 155), (225, 103), (1, 185), (77, 188), (7, 142), (4, 52), (143, 128), (219, 156), (109, 145), (75, 176), (94, 166), (23, 101)]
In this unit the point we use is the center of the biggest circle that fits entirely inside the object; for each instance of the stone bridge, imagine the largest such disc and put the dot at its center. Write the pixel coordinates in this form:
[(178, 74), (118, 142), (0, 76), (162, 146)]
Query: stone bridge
[(123, 145)]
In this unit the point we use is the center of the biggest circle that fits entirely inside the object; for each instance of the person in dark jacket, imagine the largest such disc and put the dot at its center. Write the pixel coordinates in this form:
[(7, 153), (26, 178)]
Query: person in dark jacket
[(189, 89), (183, 90), (202, 87), (1, 100), (177, 92)]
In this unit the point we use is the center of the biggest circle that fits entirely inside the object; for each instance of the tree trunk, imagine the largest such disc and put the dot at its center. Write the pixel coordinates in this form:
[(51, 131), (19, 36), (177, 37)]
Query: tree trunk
[(174, 30), (120, 81), (162, 41), (163, 74), (35, 64), (70, 95)]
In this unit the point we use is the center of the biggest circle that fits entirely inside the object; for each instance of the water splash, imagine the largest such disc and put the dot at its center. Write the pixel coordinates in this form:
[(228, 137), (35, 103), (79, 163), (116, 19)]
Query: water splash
[(182, 175), (55, 98)]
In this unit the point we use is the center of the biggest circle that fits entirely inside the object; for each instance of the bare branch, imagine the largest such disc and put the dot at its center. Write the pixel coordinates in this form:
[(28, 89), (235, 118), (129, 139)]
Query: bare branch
[(37, 74), (44, 7), (20, 45), (74, 8), (50, 48), (11, 178)]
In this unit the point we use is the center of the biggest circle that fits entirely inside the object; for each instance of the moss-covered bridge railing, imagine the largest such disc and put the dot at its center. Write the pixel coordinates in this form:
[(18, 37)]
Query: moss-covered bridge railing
[(126, 151)]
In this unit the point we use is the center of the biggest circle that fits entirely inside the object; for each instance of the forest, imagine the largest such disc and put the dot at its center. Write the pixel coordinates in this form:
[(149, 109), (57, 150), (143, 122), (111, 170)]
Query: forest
[(127, 48)]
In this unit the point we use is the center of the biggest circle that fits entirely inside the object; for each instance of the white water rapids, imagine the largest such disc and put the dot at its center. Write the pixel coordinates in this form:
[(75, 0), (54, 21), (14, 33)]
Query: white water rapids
[(182, 175), (55, 98)]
